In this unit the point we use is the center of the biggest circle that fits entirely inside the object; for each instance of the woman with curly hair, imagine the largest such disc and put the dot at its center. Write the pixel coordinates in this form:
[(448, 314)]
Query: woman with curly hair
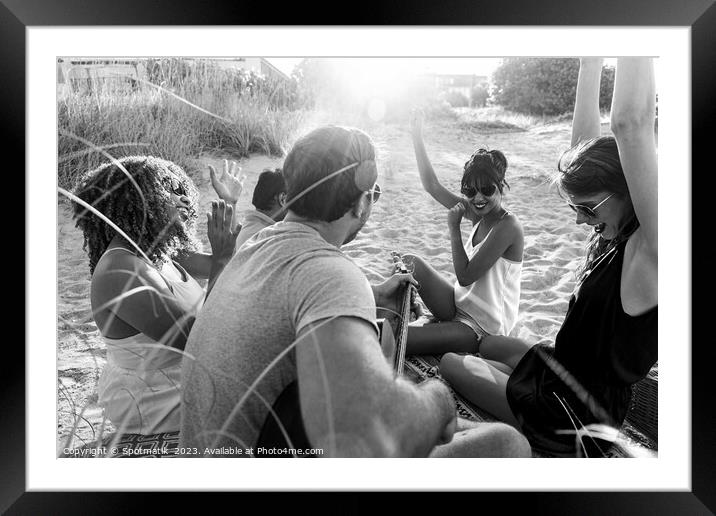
[(144, 258), (485, 298), (608, 340)]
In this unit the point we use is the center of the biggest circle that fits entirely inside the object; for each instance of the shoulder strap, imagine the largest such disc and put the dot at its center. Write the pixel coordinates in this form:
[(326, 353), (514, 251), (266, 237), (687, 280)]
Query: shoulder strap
[(117, 249)]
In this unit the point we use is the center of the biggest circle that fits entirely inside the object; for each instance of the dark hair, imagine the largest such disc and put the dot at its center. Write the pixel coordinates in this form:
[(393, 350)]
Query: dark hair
[(485, 166), (269, 185), (315, 156), (142, 213), (591, 167)]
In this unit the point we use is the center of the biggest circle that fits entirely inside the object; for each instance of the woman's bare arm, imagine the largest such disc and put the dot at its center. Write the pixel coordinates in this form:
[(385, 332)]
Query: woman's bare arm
[(222, 239), (632, 122), (135, 292), (428, 178), (586, 122), (506, 233)]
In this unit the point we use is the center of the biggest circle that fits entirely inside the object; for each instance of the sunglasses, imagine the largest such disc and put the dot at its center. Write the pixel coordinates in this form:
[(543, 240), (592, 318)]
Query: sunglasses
[(176, 188), (486, 190), (586, 210), (375, 193)]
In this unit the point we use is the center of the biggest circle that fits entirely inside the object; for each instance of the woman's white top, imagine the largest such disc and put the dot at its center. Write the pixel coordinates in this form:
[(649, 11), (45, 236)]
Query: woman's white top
[(139, 388), (493, 300)]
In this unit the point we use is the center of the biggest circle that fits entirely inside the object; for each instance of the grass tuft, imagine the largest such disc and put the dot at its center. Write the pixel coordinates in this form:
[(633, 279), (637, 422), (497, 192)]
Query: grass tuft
[(170, 123)]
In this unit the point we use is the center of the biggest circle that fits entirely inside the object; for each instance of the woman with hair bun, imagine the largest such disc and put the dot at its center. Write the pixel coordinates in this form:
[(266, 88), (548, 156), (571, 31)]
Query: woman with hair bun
[(138, 216), (608, 340), (485, 298)]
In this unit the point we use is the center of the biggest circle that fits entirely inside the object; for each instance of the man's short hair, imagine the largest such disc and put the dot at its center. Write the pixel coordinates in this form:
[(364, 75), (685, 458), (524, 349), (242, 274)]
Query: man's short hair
[(315, 156), (270, 184)]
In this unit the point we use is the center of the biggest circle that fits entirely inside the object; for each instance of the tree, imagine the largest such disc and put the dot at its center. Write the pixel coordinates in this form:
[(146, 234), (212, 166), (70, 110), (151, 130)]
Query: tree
[(543, 86)]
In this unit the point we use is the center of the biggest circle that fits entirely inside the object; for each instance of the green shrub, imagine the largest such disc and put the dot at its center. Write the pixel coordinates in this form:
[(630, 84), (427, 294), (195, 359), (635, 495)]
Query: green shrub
[(543, 86), (456, 99)]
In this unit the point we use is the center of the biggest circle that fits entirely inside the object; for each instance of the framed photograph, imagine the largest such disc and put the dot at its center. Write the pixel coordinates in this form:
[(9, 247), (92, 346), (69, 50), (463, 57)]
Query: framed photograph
[(47, 44)]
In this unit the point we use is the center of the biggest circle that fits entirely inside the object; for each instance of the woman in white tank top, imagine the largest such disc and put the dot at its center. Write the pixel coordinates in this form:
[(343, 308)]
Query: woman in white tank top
[(485, 298), (143, 301)]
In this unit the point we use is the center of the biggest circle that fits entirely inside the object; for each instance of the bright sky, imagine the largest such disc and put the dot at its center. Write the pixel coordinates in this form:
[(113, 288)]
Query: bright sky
[(446, 65)]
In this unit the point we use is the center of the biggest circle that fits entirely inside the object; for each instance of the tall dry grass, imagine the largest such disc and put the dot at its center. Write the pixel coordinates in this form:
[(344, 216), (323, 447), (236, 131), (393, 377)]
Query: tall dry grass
[(183, 115)]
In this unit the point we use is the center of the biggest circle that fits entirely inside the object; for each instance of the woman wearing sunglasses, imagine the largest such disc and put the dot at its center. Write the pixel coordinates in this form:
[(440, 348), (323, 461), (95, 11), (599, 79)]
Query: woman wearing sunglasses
[(138, 216), (485, 298), (608, 340)]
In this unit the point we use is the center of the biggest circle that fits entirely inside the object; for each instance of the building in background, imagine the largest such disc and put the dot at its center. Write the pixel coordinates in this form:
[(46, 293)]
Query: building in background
[(462, 84), (126, 73), (84, 73), (258, 65)]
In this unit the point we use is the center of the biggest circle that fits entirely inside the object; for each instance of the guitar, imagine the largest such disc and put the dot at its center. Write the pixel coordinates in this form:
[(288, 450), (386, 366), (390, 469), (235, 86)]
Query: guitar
[(400, 334)]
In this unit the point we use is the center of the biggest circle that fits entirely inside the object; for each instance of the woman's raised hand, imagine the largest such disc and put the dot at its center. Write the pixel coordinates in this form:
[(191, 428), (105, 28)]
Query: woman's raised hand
[(417, 117), (591, 61), (229, 185), (221, 235), (586, 121)]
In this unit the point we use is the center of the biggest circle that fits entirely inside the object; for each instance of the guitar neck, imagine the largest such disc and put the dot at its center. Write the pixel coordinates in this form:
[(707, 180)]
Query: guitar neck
[(401, 331)]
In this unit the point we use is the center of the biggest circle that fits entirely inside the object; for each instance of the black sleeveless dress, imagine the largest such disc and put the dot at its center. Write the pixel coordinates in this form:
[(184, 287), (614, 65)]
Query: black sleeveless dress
[(587, 377)]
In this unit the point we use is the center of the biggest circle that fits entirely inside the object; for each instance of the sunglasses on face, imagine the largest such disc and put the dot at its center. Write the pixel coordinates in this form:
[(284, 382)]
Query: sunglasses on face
[(486, 190), (176, 188), (586, 210), (375, 193)]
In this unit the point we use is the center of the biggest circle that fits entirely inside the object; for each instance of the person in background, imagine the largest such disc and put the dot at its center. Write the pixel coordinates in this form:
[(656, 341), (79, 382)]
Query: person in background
[(268, 200)]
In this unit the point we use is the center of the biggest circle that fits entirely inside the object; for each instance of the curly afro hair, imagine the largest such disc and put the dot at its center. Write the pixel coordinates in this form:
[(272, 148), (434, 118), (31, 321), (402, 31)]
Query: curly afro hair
[(134, 192)]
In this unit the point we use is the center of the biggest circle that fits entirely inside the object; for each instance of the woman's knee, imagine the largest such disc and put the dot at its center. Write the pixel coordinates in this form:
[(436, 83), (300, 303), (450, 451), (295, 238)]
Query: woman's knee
[(448, 365), (415, 263), (453, 366)]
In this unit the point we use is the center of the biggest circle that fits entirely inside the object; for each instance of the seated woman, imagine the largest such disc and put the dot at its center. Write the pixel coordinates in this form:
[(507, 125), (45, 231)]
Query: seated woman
[(139, 230), (485, 298), (608, 340)]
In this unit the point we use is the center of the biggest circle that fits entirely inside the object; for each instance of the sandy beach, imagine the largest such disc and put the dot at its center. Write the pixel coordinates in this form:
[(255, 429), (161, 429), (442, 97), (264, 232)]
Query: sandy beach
[(405, 219)]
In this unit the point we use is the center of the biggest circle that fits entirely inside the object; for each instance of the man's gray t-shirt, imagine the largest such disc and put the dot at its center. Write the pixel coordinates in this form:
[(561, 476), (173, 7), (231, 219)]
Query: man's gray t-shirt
[(279, 282), (254, 221)]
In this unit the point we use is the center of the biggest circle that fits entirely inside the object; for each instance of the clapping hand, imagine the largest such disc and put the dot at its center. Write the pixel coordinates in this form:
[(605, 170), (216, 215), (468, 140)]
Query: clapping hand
[(229, 185), (417, 117), (221, 235), (455, 215)]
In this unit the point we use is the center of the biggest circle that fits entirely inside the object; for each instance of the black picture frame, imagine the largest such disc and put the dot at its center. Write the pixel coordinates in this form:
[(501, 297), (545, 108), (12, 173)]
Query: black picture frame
[(700, 15)]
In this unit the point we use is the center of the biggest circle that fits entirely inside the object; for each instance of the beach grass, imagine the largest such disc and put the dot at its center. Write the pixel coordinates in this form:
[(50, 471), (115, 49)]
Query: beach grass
[(496, 118), (199, 113)]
